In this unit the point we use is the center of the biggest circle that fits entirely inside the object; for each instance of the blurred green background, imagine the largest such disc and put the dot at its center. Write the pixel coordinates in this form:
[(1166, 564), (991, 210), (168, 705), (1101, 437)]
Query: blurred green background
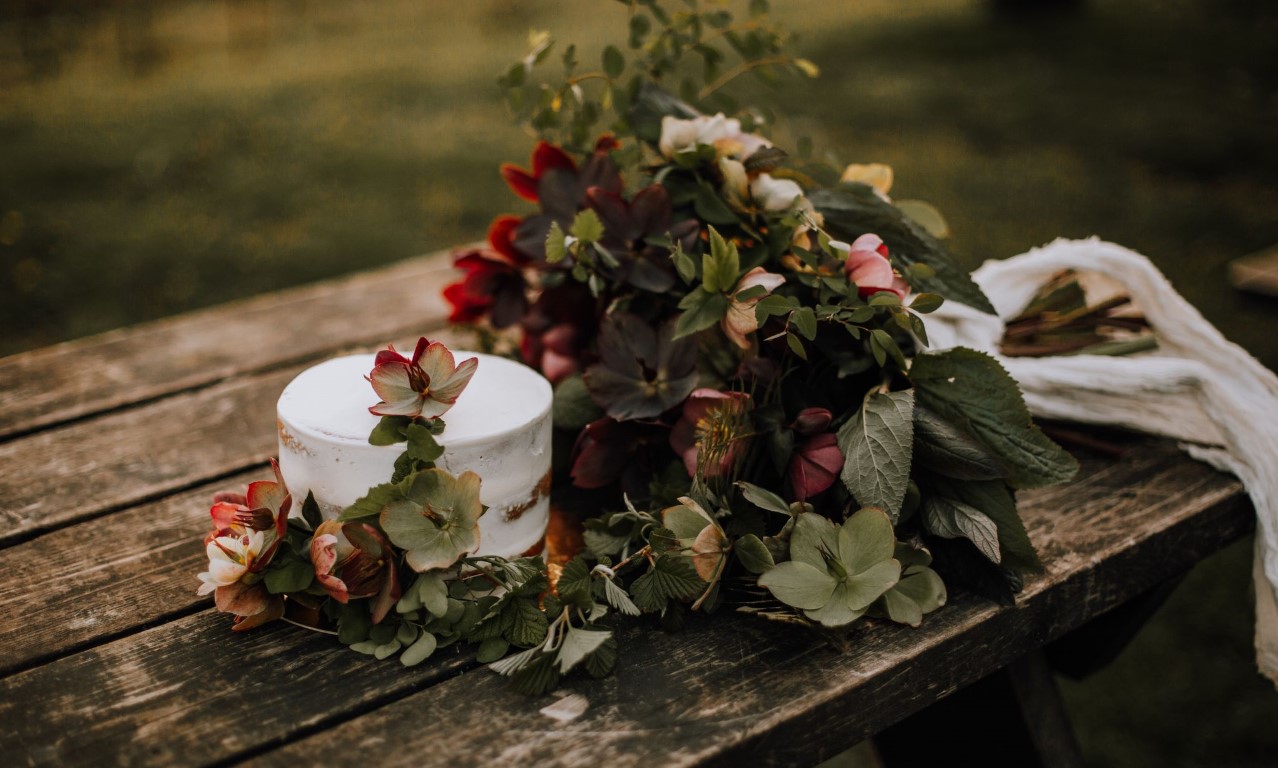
[(161, 155)]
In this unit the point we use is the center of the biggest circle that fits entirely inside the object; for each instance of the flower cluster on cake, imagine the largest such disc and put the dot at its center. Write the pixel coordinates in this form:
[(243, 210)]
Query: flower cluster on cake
[(743, 395)]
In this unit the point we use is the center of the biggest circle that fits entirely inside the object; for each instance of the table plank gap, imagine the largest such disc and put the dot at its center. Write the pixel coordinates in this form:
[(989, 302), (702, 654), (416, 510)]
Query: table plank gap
[(56, 385)]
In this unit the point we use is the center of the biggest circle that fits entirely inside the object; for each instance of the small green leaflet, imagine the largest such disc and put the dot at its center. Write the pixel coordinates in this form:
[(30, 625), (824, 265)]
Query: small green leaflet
[(877, 445), (702, 311), (971, 391), (573, 408), (953, 519), (577, 645), (556, 245), (587, 227), (763, 498), (672, 577), (617, 598)]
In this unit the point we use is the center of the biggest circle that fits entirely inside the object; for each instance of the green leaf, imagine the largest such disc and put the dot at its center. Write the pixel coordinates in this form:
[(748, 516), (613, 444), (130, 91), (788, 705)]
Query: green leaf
[(353, 622), (763, 498), (419, 651), (389, 430), (799, 584), (711, 208), (373, 502), (529, 623), (577, 645), (422, 446), (954, 519), (311, 511), (971, 391), (919, 592), (753, 554), (573, 407), (805, 320), (722, 265), (995, 499), (291, 574), (613, 62), (925, 215), (878, 445), (684, 265), (556, 246), (796, 346), (491, 650), (672, 577), (924, 303), (587, 227), (600, 663), (539, 676), (617, 598), (706, 311), (853, 210), (944, 449), (574, 583), (432, 593)]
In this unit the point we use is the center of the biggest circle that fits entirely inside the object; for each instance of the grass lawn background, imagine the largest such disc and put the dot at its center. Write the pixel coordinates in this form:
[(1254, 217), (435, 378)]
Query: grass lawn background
[(160, 157)]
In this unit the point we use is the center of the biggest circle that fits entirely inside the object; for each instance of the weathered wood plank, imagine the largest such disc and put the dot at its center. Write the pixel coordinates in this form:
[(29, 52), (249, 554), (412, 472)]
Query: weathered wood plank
[(105, 577), (716, 693), (191, 692), (131, 365), (80, 470), (733, 691)]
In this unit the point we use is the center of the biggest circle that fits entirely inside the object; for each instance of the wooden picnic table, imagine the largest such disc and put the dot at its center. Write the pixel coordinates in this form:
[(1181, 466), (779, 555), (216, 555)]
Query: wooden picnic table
[(110, 448)]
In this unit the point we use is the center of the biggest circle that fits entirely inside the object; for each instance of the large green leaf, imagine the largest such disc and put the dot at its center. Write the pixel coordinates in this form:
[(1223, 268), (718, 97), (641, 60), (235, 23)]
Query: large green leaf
[(853, 210), (947, 450), (877, 445), (995, 499), (971, 391)]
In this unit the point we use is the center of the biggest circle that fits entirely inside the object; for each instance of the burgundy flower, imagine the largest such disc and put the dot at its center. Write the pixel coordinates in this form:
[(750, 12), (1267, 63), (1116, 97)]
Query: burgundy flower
[(628, 227), (810, 421), (708, 435), (815, 465), (545, 157), (425, 386), (490, 287), (867, 265), (354, 560), (609, 451), (556, 330), (554, 352)]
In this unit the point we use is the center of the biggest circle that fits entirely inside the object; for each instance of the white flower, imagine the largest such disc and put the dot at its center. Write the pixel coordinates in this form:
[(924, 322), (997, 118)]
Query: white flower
[(230, 557), (775, 194), (722, 133)]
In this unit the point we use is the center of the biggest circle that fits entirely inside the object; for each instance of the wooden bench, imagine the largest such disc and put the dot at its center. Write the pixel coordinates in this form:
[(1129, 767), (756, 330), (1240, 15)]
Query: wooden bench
[(110, 448)]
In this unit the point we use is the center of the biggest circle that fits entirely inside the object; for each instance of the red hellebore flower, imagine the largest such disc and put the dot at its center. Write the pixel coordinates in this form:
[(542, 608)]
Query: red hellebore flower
[(711, 424), (425, 386), (545, 156), (489, 287), (554, 352), (815, 465), (354, 560), (247, 531), (867, 265)]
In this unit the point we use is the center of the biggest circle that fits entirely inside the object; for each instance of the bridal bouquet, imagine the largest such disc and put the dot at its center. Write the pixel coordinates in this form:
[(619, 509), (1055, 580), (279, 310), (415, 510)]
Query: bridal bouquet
[(740, 360), (743, 389)]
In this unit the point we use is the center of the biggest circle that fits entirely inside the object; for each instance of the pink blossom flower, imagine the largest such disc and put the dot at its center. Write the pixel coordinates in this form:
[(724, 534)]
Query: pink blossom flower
[(354, 560), (867, 265), (815, 465), (741, 320), (425, 386), (708, 435)]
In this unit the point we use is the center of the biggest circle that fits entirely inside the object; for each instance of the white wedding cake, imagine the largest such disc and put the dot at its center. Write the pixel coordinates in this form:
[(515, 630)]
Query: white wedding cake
[(500, 429)]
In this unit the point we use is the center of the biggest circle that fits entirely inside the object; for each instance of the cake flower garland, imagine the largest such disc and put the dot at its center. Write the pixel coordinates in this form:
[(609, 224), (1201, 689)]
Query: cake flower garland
[(743, 391)]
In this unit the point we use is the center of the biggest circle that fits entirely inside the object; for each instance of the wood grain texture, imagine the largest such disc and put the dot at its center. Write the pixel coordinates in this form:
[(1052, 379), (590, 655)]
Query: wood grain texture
[(732, 691), (192, 692), (74, 472), (138, 364), (105, 577)]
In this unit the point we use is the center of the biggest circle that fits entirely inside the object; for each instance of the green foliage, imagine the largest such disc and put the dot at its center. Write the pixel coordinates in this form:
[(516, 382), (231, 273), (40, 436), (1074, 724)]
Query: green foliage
[(390, 430), (671, 577), (971, 391), (573, 407), (877, 445)]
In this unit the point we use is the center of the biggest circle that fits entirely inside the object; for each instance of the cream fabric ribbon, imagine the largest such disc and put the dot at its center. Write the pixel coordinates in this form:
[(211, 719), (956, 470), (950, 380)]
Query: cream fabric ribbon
[(1197, 387)]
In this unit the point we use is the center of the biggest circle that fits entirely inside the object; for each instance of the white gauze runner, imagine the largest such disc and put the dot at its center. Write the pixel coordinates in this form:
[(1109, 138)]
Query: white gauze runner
[(1197, 386)]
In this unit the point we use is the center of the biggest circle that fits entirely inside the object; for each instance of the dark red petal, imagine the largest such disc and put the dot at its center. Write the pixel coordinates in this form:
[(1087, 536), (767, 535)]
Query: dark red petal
[(613, 211), (389, 355), (651, 210), (501, 236), (422, 343), (520, 181), (546, 156)]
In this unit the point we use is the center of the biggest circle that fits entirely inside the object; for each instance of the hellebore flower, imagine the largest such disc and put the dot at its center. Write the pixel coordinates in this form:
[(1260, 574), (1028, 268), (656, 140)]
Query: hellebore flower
[(836, 572), (489, 287), (354, 560), (437, 521), (815, 465), (867, 265), (554, 336), (810, 421), (545, 157), (642, 371), (708, 436), (740, 321), (247, 531), (722, 133), (628, 226), (425, 386)]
